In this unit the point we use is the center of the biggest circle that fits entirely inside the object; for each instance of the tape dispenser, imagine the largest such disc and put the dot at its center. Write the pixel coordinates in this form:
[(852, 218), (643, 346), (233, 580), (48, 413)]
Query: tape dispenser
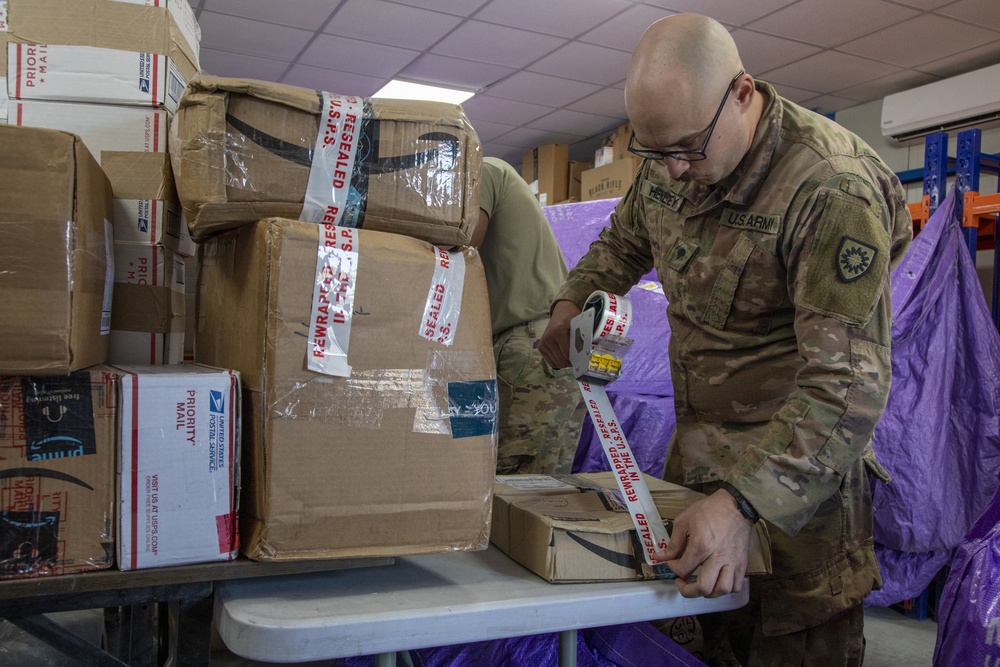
[(598, 337)]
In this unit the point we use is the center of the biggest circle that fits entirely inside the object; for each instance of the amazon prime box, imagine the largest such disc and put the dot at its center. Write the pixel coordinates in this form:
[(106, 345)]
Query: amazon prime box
[(178, 465), (370, 388), (57, 473), (246, 150), (575, 528)]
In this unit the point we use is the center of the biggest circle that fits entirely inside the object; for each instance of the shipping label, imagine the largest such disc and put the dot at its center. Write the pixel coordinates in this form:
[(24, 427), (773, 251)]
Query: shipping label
[(333, 300), (444, 298), (333, 159)]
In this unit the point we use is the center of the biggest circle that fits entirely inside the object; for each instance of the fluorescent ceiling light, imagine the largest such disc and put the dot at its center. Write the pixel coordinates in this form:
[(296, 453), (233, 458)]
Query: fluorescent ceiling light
[(404, 90)]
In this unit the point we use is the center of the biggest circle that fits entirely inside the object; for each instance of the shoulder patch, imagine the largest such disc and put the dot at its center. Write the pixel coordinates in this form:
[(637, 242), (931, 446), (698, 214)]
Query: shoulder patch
[(667, 198), (854, 259)]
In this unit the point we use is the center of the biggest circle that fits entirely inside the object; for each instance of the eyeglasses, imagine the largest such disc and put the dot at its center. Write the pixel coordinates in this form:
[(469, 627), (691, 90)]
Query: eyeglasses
[(687, 156)]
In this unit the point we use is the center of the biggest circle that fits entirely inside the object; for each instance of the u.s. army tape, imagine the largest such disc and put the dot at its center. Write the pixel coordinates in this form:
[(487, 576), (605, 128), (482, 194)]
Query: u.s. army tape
[(612, 316)]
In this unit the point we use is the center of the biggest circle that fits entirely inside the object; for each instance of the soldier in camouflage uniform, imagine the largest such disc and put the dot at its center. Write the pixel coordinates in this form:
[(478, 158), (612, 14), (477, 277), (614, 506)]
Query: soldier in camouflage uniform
[(541, 409), (773, 231)]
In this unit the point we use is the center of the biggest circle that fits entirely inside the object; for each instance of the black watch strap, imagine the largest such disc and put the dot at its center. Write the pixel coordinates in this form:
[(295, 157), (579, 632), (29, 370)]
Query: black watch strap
[(742, 504)]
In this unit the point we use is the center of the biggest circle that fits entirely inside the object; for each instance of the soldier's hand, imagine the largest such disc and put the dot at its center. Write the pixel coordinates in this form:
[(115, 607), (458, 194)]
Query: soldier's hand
[(554, 344), (713, 535)]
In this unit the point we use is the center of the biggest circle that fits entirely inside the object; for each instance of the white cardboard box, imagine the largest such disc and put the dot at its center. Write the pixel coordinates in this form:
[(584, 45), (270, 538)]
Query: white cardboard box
[(148, 311), (103, 127), (92, 74), (178, 465), (152, 222)]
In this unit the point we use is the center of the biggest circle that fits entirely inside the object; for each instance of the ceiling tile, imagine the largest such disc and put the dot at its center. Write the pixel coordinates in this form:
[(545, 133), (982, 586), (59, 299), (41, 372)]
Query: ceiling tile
[(886, 85), (725, 11), (623, 30), (980, 12), (488, 131), (585, 124), (966, 61), (527, 137), (828, 71), (511, 154), (762, 53), (308, 14), (924, 4), (332, 81), (585, 62), (456, 7), (563, 18), (357, 57), (828, 104), (608, 102), (530, 87), (797, 95), (496, 44), (239, 35), (441, 70), (499, 110), (830, 23), (387, 23), (920, 40), (223, 63)]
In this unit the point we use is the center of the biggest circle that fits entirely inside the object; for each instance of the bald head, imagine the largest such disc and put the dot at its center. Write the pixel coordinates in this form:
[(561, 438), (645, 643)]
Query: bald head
[(684, 59)]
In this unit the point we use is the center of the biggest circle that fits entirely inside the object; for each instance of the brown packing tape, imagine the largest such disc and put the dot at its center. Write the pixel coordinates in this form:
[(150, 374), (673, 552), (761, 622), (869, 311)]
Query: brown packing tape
[(136, 175), (101, 23), (241, 151), (147, 309)]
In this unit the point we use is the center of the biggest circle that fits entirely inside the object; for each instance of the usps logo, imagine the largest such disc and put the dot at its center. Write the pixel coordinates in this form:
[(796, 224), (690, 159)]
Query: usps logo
[(217, 403), (144, 85)]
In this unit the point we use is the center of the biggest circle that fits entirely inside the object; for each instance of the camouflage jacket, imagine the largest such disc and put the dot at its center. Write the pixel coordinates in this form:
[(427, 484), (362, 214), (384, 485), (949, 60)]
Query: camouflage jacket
[(777, 280)]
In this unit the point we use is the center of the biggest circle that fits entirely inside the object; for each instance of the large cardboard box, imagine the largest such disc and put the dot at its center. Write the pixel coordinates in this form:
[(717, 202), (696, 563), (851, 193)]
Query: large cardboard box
[(245, 150), (58, 442), (576, 170), (396, 458), (56, 255), (101, 51), (179, 456), (148, 311), (610, 181), (549, 165), (575, 528)]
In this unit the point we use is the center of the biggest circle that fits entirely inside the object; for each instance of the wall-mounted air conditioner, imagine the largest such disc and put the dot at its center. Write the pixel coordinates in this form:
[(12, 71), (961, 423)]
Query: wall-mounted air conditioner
[(961, 101)]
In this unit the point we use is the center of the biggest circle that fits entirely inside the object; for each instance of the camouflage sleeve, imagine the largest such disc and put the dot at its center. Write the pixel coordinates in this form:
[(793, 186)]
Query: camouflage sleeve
[(838, 251), (618, 258)]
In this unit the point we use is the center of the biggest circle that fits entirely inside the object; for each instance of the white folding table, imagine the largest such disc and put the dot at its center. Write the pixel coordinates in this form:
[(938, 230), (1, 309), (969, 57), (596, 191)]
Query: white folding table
[(431, 600)]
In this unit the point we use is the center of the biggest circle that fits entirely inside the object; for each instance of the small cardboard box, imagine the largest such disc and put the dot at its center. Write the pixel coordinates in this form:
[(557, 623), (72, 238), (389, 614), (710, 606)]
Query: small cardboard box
[(148, 312), (245, 150), (610, 181), (603, 155), (576, 170), (80, 52), (549, 165), (178, 477), (574, 528), (56, 255), (103, 127), (398, 457), (58, 442)]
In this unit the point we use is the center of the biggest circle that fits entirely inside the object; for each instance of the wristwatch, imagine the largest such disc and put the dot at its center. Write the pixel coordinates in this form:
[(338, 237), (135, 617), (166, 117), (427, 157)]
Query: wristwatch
[(742, 504)]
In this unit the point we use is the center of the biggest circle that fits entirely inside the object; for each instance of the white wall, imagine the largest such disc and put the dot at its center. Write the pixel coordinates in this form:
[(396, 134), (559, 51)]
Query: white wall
[(865, 120)]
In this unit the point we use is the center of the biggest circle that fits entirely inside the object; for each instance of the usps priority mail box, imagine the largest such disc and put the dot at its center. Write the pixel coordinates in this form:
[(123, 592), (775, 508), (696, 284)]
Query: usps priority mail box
[(178, 465)]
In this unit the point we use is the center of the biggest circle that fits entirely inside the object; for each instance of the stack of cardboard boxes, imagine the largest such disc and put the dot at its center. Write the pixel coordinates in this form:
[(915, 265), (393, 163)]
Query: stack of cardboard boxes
[(614, 168), (554, 178), (74, 67)]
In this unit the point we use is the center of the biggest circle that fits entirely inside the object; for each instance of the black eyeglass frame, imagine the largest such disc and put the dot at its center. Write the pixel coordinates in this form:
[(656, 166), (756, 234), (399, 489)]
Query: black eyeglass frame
[(686, 156)]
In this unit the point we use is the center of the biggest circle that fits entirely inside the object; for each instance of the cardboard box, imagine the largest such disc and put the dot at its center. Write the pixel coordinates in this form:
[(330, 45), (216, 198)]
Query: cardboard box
[(244, 150), (179, 465), (604, 155), (58, 442), (148, 312), (549, 165), (102, 127), (55, 252), (610, 181), (576, 170), (575, 528), (399, 457), (620, 139), (86, 55), (146, 206)]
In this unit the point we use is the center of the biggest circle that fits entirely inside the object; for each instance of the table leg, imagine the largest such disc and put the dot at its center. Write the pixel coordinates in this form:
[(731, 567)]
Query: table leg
[(386, 660), (79, 651), (567, 648), (130, 633)]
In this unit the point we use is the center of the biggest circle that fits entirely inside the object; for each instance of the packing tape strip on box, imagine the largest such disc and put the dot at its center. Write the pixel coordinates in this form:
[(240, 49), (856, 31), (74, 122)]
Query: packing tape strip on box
[(598, 341)]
